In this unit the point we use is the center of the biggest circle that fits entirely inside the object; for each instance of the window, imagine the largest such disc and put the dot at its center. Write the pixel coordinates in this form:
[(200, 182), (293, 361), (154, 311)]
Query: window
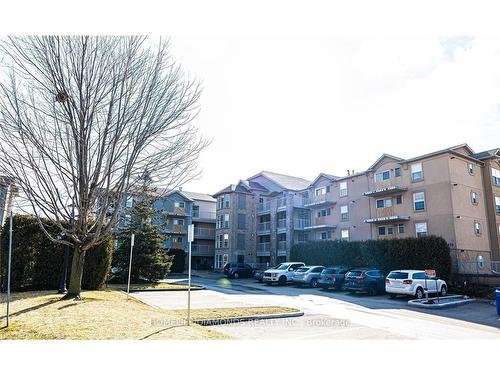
[(218, 241), (196, 211), (399, 199), (129, 202), (418, 276), (343, 189), (326, 212), (242, 201), (179, 204), (225, 259), (223, 201), (421, 229), (496, 176), (241, 221), (401, 228), (320, 191), (390, 230), (471, 168), (226, 220), (477, 228), (178, 239), (344, 234), (497, 205), (326, 235), (225, 243), (474, 197), (416, 172), (381, 231), (344, 213), (178, 221), (222, 221), (218, 261), (382, 176), (240, 241), (382, 203), (397, 171), (419, 201)]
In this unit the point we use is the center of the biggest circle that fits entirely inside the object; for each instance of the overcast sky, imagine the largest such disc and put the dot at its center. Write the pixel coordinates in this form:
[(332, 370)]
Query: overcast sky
[(302, 106)]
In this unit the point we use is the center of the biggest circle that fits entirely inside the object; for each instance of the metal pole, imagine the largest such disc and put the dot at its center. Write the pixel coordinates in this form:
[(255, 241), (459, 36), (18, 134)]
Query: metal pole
[(9, 268), (130, 261), (190, 239)]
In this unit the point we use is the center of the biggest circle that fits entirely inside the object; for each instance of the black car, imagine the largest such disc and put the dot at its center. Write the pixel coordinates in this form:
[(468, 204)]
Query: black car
[(237, 270), (368, 280), (333, 277)]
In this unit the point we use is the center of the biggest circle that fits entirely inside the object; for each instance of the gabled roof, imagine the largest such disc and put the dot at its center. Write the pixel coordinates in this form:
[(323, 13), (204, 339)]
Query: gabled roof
[(487, 154), (384, 156), (465, 146), (198, 196), (284, 181), (239, 188), (252, 185), (327, 176), (181, 193)]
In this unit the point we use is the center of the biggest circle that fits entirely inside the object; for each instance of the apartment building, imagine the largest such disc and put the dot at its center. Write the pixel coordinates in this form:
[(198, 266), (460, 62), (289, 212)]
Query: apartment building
[(176, 210), (259, 219), (453, 193)]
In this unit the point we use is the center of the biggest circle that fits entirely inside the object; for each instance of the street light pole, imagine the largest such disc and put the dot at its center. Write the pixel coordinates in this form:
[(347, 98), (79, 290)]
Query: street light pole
[(190, 239), (132, 238)]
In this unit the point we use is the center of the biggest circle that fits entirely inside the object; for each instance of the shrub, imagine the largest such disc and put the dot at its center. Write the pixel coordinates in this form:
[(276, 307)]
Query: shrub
[(178, 260), (415, 253), (37, 262)]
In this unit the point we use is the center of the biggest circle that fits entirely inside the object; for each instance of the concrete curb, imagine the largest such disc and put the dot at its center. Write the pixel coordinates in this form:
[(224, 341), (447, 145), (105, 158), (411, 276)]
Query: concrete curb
[(221, 321), (418, 303), (193, 288)]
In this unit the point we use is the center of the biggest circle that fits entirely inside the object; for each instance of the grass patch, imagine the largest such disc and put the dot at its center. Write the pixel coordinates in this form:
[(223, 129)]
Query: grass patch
[(232, 312), (100, 315), (153, 286)]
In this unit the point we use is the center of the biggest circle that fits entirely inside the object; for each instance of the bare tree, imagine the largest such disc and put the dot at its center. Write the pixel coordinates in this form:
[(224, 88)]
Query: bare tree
[(83, 119)]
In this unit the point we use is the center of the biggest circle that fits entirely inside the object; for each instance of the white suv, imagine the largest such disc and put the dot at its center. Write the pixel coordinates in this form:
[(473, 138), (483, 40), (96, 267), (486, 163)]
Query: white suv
[(282, 273), (413, 283)]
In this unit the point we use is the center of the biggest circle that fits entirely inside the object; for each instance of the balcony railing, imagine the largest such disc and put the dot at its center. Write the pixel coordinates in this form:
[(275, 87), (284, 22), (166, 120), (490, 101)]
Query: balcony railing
[(281, 245), (203, 215), (204, 233), (281, 224), (202, 250), (319, 200), (264, 246), (264, 207), (299, 224), (281, 203), (264, 227), (177, 245), (176, 228)]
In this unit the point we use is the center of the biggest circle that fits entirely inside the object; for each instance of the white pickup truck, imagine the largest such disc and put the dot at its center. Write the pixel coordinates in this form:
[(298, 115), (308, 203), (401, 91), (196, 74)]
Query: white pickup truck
[(281, 274)]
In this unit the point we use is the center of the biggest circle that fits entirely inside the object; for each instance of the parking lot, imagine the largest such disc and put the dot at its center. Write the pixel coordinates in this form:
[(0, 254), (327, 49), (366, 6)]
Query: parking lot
[(332, 314)]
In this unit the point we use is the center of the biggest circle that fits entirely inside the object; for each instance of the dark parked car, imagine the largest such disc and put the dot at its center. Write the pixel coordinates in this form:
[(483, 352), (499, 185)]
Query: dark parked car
[(237, 270), (333, 277), (369, 280)]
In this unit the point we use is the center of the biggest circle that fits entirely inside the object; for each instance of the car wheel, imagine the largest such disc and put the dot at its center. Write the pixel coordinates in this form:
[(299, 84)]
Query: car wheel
[(314, 283), (282, 280), (236, 275), (392, 296), (372, 291), (444, 291), (419, 293)]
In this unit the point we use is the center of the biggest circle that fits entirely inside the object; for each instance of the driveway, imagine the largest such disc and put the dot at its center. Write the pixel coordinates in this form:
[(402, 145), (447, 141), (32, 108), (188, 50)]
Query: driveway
[(332, 315)]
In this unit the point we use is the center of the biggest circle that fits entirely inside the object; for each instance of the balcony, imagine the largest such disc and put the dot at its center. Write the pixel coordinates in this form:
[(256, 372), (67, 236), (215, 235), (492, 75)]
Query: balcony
[(176, 245), (264, 228), (281, 226), (319, 200), (281, 246), (323, 222), (176, 228), (176, 211), (386, 215), (264, 208), (204, 233), (301, 224), (282, 204), (386, 187), (204, 216), (202, 250), (264, 249)]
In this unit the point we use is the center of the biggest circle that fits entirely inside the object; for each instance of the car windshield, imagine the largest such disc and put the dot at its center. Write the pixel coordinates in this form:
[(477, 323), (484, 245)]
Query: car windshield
[(355, 273), (328, 271), (398, 275), (302, 269), (282, 267)]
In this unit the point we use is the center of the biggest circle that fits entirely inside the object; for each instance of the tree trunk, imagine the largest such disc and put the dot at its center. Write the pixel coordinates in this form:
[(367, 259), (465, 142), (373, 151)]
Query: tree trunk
[(75, 281)]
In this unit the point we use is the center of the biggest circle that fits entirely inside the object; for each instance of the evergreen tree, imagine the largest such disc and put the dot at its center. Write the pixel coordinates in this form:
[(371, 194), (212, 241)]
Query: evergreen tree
[(150, 262)]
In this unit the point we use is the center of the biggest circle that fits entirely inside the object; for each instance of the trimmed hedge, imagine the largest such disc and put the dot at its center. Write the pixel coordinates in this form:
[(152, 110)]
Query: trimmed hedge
[(178, 260), (37, 262), (430, 252)]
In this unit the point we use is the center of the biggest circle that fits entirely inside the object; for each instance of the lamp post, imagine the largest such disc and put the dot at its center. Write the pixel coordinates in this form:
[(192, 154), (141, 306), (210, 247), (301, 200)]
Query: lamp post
[(190, 239), (132, 238)]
